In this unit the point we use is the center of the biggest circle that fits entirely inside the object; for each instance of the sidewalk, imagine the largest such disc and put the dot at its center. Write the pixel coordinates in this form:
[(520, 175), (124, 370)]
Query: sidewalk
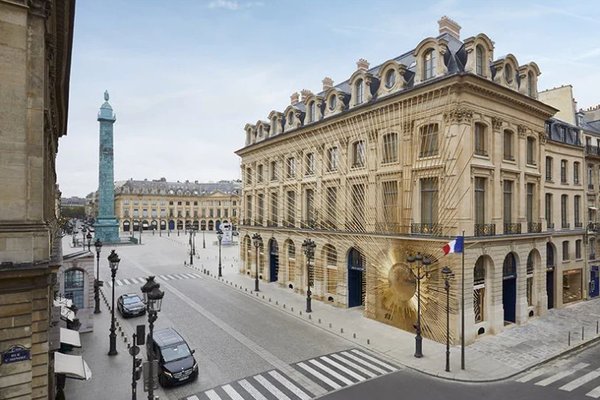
[(490, 358)]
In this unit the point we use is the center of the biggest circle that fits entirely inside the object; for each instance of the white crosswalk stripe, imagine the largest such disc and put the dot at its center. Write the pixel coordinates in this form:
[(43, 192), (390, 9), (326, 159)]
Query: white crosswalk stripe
[(581, 381), (126, 282), (142, 280), (561, 375), (165, 277), (595, 393), (332, 371)]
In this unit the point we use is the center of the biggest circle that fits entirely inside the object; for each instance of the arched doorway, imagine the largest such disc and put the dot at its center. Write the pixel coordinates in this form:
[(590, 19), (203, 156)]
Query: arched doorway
[(217, 225), (163, 225), (273, 260), (171, 225), (188, 224), (247, 253), (533, 262), (203, 225), (291, 262), (153, 224), (479, 289), (211, 225), (126, 226), (136, 225), (179, 224), (509, 287), (550, 268), (356, 282), (196, 225), (145, 225)]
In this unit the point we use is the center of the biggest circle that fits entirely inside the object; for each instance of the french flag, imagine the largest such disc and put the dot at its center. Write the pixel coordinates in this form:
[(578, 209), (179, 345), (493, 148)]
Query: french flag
[(454, 246)]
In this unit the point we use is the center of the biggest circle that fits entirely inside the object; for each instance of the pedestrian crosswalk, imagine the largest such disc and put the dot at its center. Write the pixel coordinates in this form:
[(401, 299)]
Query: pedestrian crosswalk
[(566, 376), (165, 278), (330, 372)]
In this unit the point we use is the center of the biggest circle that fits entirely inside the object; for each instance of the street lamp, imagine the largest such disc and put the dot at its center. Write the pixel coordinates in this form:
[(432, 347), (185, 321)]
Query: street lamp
[(89, 239), (83, 231), (420, 260), (153, 298), (219, 238), (194, 229), (203, 241), (113, 262), (190, 230), (141, 229), (447, 274), (256, 239), (98, 246), (309, 250)]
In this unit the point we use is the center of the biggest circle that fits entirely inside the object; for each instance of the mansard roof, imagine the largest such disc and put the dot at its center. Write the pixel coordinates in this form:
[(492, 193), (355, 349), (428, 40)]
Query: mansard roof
[(162, 187)]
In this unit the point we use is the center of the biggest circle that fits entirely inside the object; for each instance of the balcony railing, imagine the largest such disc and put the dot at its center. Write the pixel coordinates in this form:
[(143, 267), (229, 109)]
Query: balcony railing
[(425, 229), (328, 224), (355, 226), (550, 225), (592, 150), (485, 229), (566, 225), (594, 227), (247, 222), (289, 224), (308, 224), (534, 227), (389, 227), (512, 229), (578, 224), (592, 256), (590, 186), (271, 223), (258, 222)]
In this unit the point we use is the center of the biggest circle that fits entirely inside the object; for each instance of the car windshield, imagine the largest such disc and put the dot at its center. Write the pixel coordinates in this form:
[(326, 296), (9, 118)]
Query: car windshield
[(131, 300), (176, 352)]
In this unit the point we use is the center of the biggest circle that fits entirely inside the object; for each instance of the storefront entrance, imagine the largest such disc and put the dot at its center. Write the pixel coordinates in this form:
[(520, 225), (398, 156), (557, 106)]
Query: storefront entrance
[(273, 260), (356, 284)]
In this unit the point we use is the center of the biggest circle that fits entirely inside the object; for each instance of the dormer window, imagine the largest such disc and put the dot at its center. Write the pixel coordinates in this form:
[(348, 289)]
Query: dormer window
[(312, 112), (530, 84), (332, 102), (429, 64), (359, 91), (508, 73), (390, 79), (479, 60), (290, 118)]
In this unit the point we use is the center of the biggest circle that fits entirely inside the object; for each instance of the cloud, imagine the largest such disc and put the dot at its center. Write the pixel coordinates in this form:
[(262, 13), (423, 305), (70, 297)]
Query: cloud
[(234, 5)]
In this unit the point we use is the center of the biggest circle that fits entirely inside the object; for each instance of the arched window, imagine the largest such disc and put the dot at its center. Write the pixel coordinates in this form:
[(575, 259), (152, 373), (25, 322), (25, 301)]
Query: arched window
[(479, 60), (429, 64), (359, 91), (74, 287), (508, 73), (509, 267), (332, 102), (530, 84), (390, 78), (479, 290), (291, 250), (530, 268), (290, 118)]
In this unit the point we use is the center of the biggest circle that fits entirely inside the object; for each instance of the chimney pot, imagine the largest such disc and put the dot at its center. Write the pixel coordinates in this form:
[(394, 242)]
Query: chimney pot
[(449, 26), (295, 98), (362, 64), (327, 83), (305, 93)]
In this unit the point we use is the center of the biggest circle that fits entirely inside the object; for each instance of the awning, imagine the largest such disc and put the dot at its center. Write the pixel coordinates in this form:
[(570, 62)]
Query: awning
[(70, 337), (592, 208), (67, 314), (65, 305), (71, 366), (63, 302)]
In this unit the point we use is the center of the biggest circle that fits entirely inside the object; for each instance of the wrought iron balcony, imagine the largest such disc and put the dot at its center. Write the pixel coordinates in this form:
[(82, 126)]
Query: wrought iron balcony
[(258, 222), (485, 229), (512, 229), (578, 224), (592, 256), (550, 225), (590, 186), (566, 225), (328, 224), (271, 223), (389, 227), (246, 222), (308, 224), (594, 227), (355, 226), (534, 227), (289, 224), (425, 228), (592, 150)]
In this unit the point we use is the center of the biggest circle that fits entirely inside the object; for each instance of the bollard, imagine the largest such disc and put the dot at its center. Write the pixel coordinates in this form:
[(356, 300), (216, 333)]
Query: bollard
[(319, 320), (569, 339), (284, 306), (276, 302), (330, 325), (354, 336), (341, 330), (309, 316), (368, 341), (582, 332), (596, 327), (300, 312), (269, 299), (292, 309)]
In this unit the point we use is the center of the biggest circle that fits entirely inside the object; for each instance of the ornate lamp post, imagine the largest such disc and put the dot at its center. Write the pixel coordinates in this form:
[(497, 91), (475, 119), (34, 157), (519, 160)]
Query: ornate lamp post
[(141, 229), (89, 240), (113, 261), (219, 238), (190, 230), (256, 239), (153, 298), (420, 260), (98, 246), (309, 250), (203, 240), (447, 274), (194, 230)]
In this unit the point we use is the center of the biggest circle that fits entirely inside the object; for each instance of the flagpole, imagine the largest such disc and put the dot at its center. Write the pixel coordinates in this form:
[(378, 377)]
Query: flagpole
[(462, 316)]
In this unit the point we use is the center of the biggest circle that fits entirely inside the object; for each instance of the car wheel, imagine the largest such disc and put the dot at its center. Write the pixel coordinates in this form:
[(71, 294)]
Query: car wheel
[(162, 380)]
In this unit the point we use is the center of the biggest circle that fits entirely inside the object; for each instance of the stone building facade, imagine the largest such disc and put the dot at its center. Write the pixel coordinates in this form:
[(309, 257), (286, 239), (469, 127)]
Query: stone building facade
[(169, 206), (401, 158), (35, 59)]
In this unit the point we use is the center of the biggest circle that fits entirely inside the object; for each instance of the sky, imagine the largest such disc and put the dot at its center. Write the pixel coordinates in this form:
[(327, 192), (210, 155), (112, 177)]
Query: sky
[(185, 76)]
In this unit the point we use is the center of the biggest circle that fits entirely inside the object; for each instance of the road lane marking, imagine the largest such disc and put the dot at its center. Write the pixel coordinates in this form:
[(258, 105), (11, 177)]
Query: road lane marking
[(126, 282), (252, 390), (541, 371), (331, 372), (194, 397), (320, 376), (212, 395), (164, 277), (375, 360), (279, 395), (357, 367), (561, 375), (595, 393), (581, 381), (232, 393), (293, 388), (339, 366), (364, 362)]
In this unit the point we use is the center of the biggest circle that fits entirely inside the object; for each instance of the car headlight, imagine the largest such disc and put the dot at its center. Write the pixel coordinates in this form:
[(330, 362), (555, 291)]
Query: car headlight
[(167, 373)]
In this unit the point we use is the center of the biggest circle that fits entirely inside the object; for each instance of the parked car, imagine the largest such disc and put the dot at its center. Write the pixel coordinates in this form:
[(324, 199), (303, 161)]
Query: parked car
[(176, 360), (131, 305)]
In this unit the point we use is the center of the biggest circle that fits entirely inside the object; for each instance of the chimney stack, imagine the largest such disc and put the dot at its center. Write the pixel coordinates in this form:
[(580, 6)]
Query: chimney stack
[(362, 65), (449, 26), (304, 94), (295, 98), (327, 83)]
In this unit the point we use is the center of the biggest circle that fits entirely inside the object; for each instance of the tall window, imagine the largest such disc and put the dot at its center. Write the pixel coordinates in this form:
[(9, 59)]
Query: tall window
[(390, 201), (480, 184), (480, 139), (479, 61), (309, 206), (358, 207), (291, 168), (273, 170), (590, 176), (578, 249), (248, 207), (529, 270), (74, 287), (359, 90), (576, 173), (508, 145), (577, 210), (312, 111), (390, 148), (332, 159), (429, 200), (309, 161), (530, 202), (249, 176), (274, 208), (564, 218), (429, 140), (291, 206), (479, 290), (260, 210), (548, 213), (530, 84), (565, 250), (429, 64), (508, 198), (331, 206), (358, 154), (563, 171), (531, 150), (259, 173), (548, 168)]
